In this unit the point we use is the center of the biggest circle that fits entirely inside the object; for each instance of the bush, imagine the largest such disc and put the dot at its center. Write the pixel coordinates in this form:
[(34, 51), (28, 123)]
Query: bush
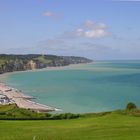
[(64, 116), (131, 106)]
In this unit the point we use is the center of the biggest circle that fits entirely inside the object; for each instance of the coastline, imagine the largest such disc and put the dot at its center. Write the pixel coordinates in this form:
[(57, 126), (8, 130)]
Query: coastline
[(24, 101), (67, 67)]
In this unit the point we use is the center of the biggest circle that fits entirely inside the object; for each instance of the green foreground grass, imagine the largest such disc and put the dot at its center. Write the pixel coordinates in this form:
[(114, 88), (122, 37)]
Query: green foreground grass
[(112, 126)]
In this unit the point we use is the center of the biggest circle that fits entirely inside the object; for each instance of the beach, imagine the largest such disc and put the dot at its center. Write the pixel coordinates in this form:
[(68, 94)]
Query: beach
[(22, 100)]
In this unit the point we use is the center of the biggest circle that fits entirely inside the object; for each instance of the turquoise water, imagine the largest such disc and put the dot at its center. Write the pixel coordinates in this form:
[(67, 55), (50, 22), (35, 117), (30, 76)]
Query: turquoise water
[(101, 86)]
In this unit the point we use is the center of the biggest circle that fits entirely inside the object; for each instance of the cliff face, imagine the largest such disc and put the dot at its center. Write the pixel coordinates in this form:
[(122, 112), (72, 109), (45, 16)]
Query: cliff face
[(31, 65), (9, 63)]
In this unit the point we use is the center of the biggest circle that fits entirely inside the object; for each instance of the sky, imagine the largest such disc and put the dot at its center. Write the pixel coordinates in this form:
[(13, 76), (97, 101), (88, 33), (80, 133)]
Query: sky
[(96, 29)]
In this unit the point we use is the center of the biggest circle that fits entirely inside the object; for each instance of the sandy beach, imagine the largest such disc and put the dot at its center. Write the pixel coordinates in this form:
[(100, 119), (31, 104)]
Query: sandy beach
[(22, 100)]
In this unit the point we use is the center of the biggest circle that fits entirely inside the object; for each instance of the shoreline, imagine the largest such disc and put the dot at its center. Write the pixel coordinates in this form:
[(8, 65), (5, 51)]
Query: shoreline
[(24, 101), (67, 67)]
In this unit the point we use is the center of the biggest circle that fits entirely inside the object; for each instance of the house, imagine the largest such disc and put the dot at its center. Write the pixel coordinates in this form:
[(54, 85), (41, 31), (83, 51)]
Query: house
[(4, 99)]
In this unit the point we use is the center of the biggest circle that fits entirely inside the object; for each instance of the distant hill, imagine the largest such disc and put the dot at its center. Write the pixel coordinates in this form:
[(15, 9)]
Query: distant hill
[(10, 63)]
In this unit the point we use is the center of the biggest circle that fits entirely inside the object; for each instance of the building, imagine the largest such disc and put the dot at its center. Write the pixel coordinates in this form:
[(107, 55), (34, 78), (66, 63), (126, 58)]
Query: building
[(4, 99)]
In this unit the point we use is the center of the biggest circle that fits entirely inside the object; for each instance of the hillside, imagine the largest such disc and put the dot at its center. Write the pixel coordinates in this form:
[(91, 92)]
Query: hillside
[(9, 63), (113, 126), (12, 112)]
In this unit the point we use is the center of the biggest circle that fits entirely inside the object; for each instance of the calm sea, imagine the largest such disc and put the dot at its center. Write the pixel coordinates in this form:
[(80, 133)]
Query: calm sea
[(96, 87)]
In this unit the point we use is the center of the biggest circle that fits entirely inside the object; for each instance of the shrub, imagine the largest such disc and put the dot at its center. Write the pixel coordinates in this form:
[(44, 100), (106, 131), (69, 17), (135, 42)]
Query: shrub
[(131, 106), (64, 116)]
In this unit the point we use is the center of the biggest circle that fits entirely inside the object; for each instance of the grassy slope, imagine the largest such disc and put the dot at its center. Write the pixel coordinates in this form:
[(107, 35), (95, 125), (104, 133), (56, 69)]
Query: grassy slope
[(112, 126), (2, 61), (43, 60), (12, 111)]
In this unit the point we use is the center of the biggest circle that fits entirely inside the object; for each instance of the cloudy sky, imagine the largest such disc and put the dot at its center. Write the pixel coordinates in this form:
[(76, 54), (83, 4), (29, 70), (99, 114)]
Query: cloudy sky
[(97, 29)]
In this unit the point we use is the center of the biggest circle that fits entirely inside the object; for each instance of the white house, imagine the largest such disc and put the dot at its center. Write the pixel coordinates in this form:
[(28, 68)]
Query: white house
[(4, 99)]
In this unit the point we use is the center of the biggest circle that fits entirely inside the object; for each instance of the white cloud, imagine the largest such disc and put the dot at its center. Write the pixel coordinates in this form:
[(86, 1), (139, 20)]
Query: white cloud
[(88, 30), (51, 14), (88, 24), (48, 14), (63, 43), (91, 25), (97, 33)]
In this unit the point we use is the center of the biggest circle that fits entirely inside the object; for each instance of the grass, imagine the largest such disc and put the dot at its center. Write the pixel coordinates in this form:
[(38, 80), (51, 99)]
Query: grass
[(43, 60), (116, 125), (13, 112), (5, 108), (2, 61), (110, 126)]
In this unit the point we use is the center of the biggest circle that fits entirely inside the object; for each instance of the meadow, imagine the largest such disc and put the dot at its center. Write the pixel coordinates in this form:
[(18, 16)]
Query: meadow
[(116, 125)]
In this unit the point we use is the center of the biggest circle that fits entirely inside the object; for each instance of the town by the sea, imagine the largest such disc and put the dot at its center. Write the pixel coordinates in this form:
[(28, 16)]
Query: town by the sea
[(94, 87)]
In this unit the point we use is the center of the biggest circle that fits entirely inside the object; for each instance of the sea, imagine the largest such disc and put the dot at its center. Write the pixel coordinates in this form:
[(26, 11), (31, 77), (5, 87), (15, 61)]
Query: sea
[(83, 88)]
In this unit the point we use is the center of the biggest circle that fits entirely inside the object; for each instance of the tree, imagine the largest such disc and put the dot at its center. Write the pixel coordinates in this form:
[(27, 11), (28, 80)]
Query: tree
[(131, 106)]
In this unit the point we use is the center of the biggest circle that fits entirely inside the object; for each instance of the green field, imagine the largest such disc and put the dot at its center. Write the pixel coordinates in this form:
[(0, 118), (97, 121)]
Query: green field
[(114, 126)]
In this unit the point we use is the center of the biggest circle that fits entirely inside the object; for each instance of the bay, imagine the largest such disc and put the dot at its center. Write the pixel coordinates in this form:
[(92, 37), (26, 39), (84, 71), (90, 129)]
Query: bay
[(95, 87)]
